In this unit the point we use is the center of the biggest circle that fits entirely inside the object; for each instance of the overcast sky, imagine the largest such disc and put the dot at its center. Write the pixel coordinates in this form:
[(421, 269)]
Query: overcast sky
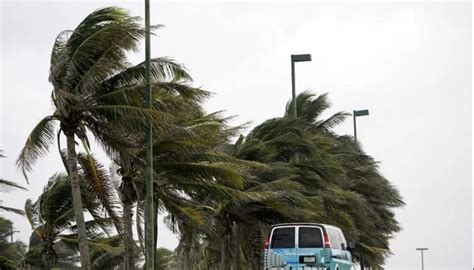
[(408, 63)]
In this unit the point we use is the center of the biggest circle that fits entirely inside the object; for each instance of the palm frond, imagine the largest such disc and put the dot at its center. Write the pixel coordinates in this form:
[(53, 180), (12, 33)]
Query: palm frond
[(57, 58), (95, 226), (308, 107), (99, 184), (6, 185), (126, 113), (332, 121), (12, 210), (55, 203), (110, 31), (163, 69), (31, 214), (37, 145), (204, 172)]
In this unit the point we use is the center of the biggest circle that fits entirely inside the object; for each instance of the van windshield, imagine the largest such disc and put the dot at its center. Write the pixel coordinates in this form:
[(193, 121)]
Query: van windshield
[(283, 238), (310, 237)]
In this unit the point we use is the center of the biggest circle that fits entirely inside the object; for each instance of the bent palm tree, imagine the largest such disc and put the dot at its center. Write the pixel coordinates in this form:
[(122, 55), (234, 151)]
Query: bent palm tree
[(51, 216), (182, 163), (95, 90)]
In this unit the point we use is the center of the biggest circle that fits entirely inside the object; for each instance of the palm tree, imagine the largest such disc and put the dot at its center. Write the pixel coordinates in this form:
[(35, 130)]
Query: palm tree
[(184, 171), (96, 91), (51, 217), (185, 163)]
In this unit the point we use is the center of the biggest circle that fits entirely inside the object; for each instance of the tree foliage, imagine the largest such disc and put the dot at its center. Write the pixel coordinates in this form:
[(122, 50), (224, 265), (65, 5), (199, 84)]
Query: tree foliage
[(312, 174)]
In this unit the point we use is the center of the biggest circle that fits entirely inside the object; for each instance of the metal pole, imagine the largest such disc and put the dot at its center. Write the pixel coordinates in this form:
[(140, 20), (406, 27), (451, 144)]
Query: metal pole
[(293, 90), (422, 261), (149, 211), (355, 125)]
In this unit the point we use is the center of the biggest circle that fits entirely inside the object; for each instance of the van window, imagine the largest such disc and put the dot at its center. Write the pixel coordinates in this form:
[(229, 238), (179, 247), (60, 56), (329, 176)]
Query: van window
[(333, 237), (283, 238), (342, 240), (310, 237)]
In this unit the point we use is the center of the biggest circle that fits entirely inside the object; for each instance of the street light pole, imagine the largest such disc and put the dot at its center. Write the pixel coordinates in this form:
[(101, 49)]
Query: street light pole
[(355, 125), (149, 211), (296, 58), (356, 113), (293, 90), (422, 261)]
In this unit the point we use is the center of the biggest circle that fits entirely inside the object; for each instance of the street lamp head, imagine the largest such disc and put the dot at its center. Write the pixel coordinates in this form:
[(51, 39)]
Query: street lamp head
[(421, 248), (361, 113), (301, 57)]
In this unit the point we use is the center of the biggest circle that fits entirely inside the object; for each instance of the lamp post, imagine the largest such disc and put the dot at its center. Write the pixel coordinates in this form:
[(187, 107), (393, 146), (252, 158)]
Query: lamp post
[(357, 113), (296, 58), (149, 211), (422, 262)]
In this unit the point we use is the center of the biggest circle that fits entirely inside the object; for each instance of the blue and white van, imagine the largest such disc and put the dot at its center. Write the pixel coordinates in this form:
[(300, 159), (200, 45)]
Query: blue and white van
[(307, 246)]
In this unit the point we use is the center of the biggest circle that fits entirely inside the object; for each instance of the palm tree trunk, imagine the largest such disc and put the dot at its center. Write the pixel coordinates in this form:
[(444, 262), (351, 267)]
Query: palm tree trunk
[(129, 244), (257, 247), (77, 202), (237, 248), (224, 246), (185, 263), (223, 253)]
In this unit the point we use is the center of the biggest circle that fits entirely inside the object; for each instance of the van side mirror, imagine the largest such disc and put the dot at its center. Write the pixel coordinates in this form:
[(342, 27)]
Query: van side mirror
[(352, 245)]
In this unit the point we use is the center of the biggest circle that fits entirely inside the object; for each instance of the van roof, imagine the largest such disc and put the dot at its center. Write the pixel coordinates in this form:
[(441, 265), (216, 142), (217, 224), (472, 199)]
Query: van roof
[(303, 223)]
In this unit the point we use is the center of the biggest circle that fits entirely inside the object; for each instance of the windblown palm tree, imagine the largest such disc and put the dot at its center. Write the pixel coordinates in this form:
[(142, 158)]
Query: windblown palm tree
[(184, 169), (51, 217), (95, 91)]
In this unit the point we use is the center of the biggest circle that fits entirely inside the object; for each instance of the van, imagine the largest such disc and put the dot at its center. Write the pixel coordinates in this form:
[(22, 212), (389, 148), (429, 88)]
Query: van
[(307, 246)]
